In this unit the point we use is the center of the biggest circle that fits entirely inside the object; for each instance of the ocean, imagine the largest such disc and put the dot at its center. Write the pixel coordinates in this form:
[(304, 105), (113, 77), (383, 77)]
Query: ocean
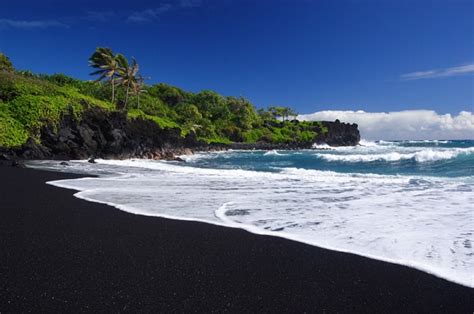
[(405, 202)]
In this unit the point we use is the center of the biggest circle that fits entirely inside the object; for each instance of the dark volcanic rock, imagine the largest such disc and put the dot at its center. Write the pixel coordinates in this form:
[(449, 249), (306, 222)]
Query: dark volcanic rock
[(33, 150), (340, 134), (6, 155), (105, 134), (17, 164)]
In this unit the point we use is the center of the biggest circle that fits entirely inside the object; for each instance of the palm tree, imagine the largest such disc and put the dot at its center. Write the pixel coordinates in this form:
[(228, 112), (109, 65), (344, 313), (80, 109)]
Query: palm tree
[(127, 74), (138, 88), (105, 61)]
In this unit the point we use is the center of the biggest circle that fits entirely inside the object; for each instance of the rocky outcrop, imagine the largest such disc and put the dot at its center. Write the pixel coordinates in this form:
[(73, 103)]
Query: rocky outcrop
[(339, 134), (101, 134), (107, 135)]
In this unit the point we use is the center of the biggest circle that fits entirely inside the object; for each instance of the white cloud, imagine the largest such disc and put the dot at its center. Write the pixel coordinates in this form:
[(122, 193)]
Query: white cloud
[(31, 24), (149, 15), (401, 125), (453, 71)]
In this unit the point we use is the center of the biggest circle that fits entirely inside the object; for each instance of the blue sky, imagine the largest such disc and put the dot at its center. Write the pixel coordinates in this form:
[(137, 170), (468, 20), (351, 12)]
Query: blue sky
[(386, 55)]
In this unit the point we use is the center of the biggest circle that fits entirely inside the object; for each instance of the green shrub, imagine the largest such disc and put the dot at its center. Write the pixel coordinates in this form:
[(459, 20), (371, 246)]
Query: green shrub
[(12, 133), (5, 63), (162, 122), (255, 135)]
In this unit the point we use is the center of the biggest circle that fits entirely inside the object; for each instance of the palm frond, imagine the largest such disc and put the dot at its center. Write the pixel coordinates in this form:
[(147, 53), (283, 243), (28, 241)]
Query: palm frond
[(97, 72)]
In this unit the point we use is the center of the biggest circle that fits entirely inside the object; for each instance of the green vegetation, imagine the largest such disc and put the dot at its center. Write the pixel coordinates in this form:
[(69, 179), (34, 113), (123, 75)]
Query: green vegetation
[(5, 63), (107, 65), (116, 69), (30, 101)]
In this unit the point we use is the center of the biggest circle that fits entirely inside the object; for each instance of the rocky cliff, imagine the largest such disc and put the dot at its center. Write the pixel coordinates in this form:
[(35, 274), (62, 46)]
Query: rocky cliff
[(339, 134), (111, 135)]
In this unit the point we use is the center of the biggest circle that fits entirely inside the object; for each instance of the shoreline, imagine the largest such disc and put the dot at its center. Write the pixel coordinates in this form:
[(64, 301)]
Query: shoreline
[(64, 253), (20, 155), (255, 231)]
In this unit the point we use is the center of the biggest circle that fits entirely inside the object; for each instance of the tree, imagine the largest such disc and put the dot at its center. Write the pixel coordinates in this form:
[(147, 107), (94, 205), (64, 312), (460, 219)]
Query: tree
[(189, 115), (265, 115), (106, 63), (243, 113), (188, 112), (5, 63), (281, 112), (138, 88), (211, 105), (171, 95), (288, 112), (127, 75)]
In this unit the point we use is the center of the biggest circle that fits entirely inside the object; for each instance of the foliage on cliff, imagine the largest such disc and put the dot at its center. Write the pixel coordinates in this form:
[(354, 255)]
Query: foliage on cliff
[(5, 63), (30, 101)]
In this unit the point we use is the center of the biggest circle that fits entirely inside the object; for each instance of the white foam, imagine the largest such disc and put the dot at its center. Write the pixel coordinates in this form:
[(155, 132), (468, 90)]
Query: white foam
[(366, 143), (421, 222), (204, 155), (193, 157), (382, 142), (426, 141), (424, 155), (322, 146), (273, 153)]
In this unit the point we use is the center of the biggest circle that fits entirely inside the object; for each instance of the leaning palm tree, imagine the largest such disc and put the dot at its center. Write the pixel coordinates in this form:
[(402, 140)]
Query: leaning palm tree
[(105, 61), (138, 88), (127, 75)]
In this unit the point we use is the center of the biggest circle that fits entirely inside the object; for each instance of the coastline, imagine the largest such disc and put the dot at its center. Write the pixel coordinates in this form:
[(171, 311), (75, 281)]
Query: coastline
[(34, 152), (102, 134), (61, 253)]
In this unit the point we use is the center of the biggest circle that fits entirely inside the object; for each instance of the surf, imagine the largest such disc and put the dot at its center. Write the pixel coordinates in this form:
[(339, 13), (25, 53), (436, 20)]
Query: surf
[(414, 220)]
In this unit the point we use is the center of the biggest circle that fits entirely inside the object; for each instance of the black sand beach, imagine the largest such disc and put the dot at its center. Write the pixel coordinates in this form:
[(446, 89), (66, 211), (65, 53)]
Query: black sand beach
[(60, 253)]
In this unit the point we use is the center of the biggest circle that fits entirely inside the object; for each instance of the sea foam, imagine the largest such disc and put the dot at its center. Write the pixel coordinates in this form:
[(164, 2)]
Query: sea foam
[(421, 222), (424, 155)]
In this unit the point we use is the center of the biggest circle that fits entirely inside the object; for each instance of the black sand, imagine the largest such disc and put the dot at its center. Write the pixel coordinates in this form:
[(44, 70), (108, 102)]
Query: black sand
[(59, 253)]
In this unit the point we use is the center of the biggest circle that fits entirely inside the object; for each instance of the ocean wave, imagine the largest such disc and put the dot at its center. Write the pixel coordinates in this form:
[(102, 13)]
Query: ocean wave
[(386, 142), (427, 155), (193, 157), (427, 141), (340, 177), (273, 152), (322, 146), (290, 173), (367, 143), (205, 155)]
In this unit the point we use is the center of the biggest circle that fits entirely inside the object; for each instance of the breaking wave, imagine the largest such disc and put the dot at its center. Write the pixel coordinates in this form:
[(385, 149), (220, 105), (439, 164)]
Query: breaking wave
[(427, 155)]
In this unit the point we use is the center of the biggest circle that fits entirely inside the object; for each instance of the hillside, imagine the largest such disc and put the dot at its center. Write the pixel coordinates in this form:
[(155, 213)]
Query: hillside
[(55, 116)]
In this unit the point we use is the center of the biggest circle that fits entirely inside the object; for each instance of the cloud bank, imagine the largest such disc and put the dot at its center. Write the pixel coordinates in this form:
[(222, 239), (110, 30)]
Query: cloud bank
[(454, 71), (403, 125), (32, 24)]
